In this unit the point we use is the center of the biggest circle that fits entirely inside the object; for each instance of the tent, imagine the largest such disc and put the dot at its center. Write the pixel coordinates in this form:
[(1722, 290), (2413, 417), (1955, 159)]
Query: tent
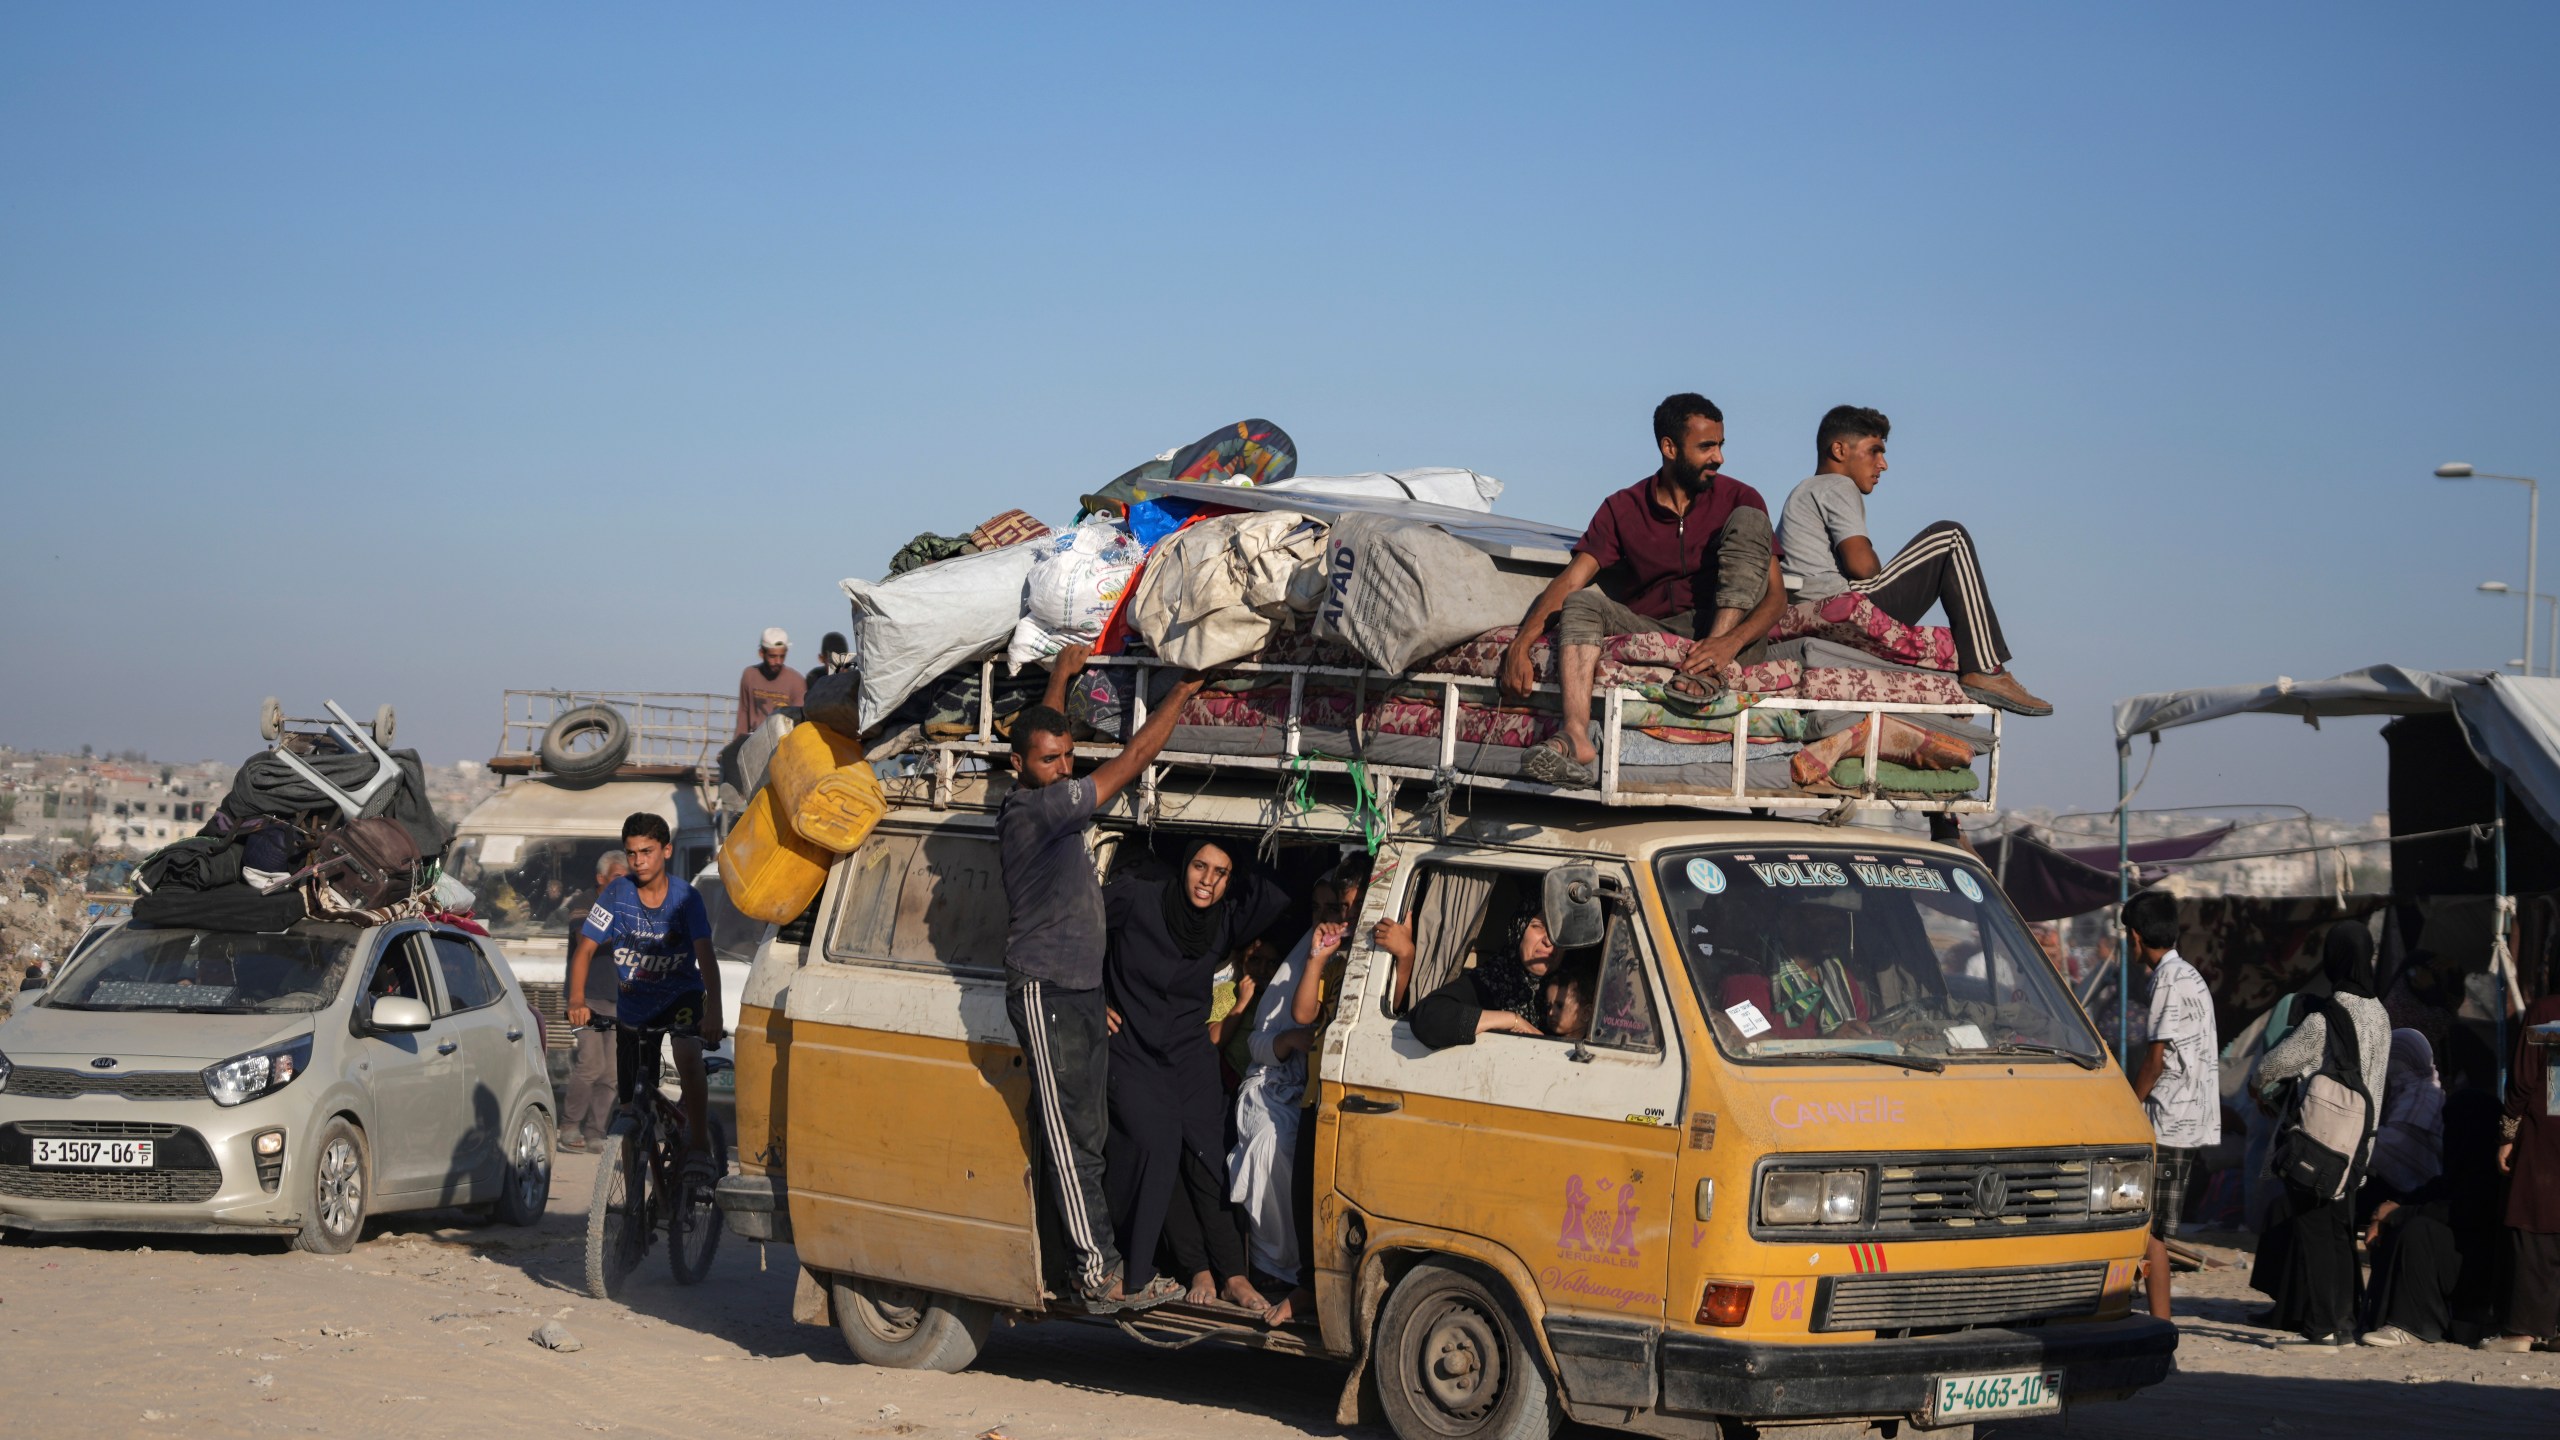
[(2048, 882), (2511, 724)]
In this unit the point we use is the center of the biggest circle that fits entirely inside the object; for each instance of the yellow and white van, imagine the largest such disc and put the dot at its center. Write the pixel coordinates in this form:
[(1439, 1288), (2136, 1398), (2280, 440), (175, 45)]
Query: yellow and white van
[(1911, 1195)]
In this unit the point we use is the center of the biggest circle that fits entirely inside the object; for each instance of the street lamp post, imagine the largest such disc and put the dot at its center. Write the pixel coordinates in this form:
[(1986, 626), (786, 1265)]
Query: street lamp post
[(2550, 632), (2458, 470)]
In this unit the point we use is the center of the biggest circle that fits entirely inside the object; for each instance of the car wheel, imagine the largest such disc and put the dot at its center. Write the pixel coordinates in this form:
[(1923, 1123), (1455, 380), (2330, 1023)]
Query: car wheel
[(1452, 1364), (897, 1328), (341, 1181), (527, 1173)]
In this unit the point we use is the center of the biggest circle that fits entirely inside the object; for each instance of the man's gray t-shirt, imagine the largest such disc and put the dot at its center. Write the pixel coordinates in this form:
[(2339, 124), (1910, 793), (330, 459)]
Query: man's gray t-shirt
[(2185, 1105), (1054, 931), (1822, 512)]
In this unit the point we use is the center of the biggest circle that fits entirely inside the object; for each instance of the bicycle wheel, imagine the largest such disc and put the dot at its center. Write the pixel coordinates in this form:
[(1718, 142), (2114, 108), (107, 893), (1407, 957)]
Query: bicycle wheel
[(693, 1222), (618, 1216)]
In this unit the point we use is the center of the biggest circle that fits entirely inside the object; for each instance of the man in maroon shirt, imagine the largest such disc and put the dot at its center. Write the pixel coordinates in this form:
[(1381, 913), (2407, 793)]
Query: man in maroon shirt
[(1685, 550), (768, 685)]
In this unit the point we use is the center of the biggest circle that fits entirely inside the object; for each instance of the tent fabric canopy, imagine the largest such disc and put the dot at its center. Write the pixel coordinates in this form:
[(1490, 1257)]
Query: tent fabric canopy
[(2511, 723)]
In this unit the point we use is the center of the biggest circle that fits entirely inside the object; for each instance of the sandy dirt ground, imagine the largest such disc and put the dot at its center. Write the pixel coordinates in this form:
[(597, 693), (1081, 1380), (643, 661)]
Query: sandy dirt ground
[(425, 1330)]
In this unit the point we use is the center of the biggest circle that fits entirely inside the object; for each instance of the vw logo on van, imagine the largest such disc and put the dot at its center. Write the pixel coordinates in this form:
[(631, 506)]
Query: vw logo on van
[(1990, 1191), (103, 1062)]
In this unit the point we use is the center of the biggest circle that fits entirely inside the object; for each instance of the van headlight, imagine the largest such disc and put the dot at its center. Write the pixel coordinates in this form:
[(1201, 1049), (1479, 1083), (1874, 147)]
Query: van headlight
[(246, 1077), (1813, 1197), (2118, 1186)]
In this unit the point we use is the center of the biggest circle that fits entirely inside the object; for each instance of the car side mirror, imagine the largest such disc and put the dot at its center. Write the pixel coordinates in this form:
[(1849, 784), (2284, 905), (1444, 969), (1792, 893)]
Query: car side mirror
[(395, 1014), (1571, 907)]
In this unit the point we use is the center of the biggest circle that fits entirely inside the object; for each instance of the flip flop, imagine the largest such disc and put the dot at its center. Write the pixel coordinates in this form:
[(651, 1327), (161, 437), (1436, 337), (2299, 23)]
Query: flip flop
[(1548, 764), (1162, 1290)]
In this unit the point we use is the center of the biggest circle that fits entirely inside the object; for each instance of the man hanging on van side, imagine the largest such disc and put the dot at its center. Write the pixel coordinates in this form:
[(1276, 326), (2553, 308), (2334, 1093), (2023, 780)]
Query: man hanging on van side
[(660, 939), (1054, 945), (1686, 550)]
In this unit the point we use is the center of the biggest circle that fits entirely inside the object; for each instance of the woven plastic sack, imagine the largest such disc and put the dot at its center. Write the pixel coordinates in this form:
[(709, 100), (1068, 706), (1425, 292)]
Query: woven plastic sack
[(1073, 589), (822, 787), (919, 625)]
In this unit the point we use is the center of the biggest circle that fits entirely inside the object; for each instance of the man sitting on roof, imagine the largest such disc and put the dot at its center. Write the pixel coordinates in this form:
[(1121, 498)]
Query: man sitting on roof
[(1824, 533), (1685, 550)]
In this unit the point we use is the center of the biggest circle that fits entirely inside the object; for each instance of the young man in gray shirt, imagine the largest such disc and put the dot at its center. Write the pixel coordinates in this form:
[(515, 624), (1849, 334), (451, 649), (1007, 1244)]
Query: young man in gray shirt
[(1053, 966), (1823, 536)]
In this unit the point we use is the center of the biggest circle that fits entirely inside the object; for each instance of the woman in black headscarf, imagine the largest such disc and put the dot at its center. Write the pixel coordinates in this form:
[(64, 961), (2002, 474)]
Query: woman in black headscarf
[(1168, 1146), (2307, 1260), (1499, 995)]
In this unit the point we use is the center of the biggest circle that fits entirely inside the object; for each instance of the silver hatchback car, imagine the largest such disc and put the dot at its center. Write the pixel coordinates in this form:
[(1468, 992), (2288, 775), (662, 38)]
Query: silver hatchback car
[(206, 1080)]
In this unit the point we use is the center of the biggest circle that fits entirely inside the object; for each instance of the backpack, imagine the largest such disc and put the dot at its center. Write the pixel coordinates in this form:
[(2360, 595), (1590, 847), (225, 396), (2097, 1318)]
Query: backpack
[(2324, 1143)]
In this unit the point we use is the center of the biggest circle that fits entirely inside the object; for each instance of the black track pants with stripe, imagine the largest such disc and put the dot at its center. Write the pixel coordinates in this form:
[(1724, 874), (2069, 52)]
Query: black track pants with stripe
[(1939, 568), (1066, 1041)]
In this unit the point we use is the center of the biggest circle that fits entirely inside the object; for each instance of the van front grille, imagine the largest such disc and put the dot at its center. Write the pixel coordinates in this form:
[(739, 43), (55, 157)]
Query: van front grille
[(46, 1084), (1940, 1299), (1963, 1194)]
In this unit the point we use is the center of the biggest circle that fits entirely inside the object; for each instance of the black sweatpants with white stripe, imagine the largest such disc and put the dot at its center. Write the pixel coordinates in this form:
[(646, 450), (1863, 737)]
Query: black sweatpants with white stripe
[(1066, 1041), (1939, 567)]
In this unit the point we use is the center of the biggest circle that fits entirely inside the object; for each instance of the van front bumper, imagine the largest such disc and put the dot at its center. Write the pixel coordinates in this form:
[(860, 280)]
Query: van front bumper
[(1706, 1375)]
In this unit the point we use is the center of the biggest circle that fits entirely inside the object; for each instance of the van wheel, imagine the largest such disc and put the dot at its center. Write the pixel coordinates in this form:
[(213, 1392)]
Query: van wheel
[(1452, 1364), (897, 1328), (333, 1213)]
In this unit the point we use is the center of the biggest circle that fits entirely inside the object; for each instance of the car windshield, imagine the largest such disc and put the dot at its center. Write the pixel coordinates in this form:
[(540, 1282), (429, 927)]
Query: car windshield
[(1841, 950), (526, 886), (205, 971)]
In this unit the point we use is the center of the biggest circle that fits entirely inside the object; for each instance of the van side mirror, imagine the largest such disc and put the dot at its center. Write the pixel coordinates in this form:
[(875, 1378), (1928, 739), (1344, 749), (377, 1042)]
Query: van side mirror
[(395, 1014), (1571, 907)]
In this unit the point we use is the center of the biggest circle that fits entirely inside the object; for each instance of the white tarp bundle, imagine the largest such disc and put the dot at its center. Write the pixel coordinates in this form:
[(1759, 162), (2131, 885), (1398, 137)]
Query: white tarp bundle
[(1457, 489), (1216, 592), (915, 626)]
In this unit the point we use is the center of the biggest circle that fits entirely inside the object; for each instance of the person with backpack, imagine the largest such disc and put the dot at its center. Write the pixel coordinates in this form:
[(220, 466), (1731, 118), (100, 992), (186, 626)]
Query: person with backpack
[(2180, 1079), (2340, 1052)]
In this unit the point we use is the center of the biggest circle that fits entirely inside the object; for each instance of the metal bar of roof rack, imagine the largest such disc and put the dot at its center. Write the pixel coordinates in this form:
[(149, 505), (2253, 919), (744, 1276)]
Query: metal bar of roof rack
[(1297, 698), (1448, 725), (987, 699), (1612, 713), (1875, 747)]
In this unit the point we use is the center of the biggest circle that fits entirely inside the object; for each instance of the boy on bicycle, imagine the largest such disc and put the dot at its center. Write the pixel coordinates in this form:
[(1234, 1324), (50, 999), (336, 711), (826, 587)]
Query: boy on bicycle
[(660, 939)]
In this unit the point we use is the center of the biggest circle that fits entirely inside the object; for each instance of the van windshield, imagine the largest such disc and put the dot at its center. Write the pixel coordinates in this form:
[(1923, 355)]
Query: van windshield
[(1842, 950), (527, 886), (205, 972)]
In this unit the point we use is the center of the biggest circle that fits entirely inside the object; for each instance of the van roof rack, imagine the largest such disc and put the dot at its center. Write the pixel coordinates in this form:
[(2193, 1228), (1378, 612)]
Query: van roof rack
[(1616, 789), (675, 735)]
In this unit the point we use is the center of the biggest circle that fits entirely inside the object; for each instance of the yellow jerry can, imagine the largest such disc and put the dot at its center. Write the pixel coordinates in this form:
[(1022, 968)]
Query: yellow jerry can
[(823, 790), (771, 873)]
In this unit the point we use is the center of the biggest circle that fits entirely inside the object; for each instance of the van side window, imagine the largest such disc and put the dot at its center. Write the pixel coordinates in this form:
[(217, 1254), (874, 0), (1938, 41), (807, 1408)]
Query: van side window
[(1624, 1018), (932, 901), (870, 906)]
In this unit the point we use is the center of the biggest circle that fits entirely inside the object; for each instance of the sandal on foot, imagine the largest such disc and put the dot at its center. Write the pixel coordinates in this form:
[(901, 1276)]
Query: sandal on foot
[(1548, 764)]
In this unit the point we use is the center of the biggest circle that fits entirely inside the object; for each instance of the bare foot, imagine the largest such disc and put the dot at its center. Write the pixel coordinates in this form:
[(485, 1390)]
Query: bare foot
[(1240, 1293), (1297, 1302), (1204, 1289)]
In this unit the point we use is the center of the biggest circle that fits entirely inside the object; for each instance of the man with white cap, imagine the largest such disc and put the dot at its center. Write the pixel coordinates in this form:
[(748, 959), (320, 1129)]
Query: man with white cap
[(768, 685)]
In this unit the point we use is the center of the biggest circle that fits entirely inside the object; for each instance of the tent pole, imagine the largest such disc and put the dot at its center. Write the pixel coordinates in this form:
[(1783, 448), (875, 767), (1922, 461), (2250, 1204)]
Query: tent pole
[(2499, 954), (2124, 892)]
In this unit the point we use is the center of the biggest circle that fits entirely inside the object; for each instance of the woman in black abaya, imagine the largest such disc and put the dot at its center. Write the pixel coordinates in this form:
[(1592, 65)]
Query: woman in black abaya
[(1168, 1144), (2307, 1260)]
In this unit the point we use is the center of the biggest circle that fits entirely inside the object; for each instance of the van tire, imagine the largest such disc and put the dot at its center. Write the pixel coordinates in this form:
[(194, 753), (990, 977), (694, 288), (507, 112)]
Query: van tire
[(340, 1181), (1452, 1363), (592, 767), (897, 1328)]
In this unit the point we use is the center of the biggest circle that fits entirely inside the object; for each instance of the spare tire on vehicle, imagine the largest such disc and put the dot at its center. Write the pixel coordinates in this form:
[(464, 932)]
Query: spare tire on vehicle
[(604, 753)]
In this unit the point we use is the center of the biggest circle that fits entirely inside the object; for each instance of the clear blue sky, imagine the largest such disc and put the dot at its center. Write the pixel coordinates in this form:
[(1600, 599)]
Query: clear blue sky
[(412, 356)]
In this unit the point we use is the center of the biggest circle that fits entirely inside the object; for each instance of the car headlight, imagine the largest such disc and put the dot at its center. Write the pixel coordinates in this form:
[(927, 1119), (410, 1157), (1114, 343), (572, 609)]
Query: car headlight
[(2117, 1186), (4, 1072), (246, 1077), (1813, 1197)]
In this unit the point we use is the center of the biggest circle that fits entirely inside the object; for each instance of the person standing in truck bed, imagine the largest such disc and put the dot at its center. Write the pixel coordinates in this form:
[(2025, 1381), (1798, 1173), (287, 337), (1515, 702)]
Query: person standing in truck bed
[(768, 685)]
